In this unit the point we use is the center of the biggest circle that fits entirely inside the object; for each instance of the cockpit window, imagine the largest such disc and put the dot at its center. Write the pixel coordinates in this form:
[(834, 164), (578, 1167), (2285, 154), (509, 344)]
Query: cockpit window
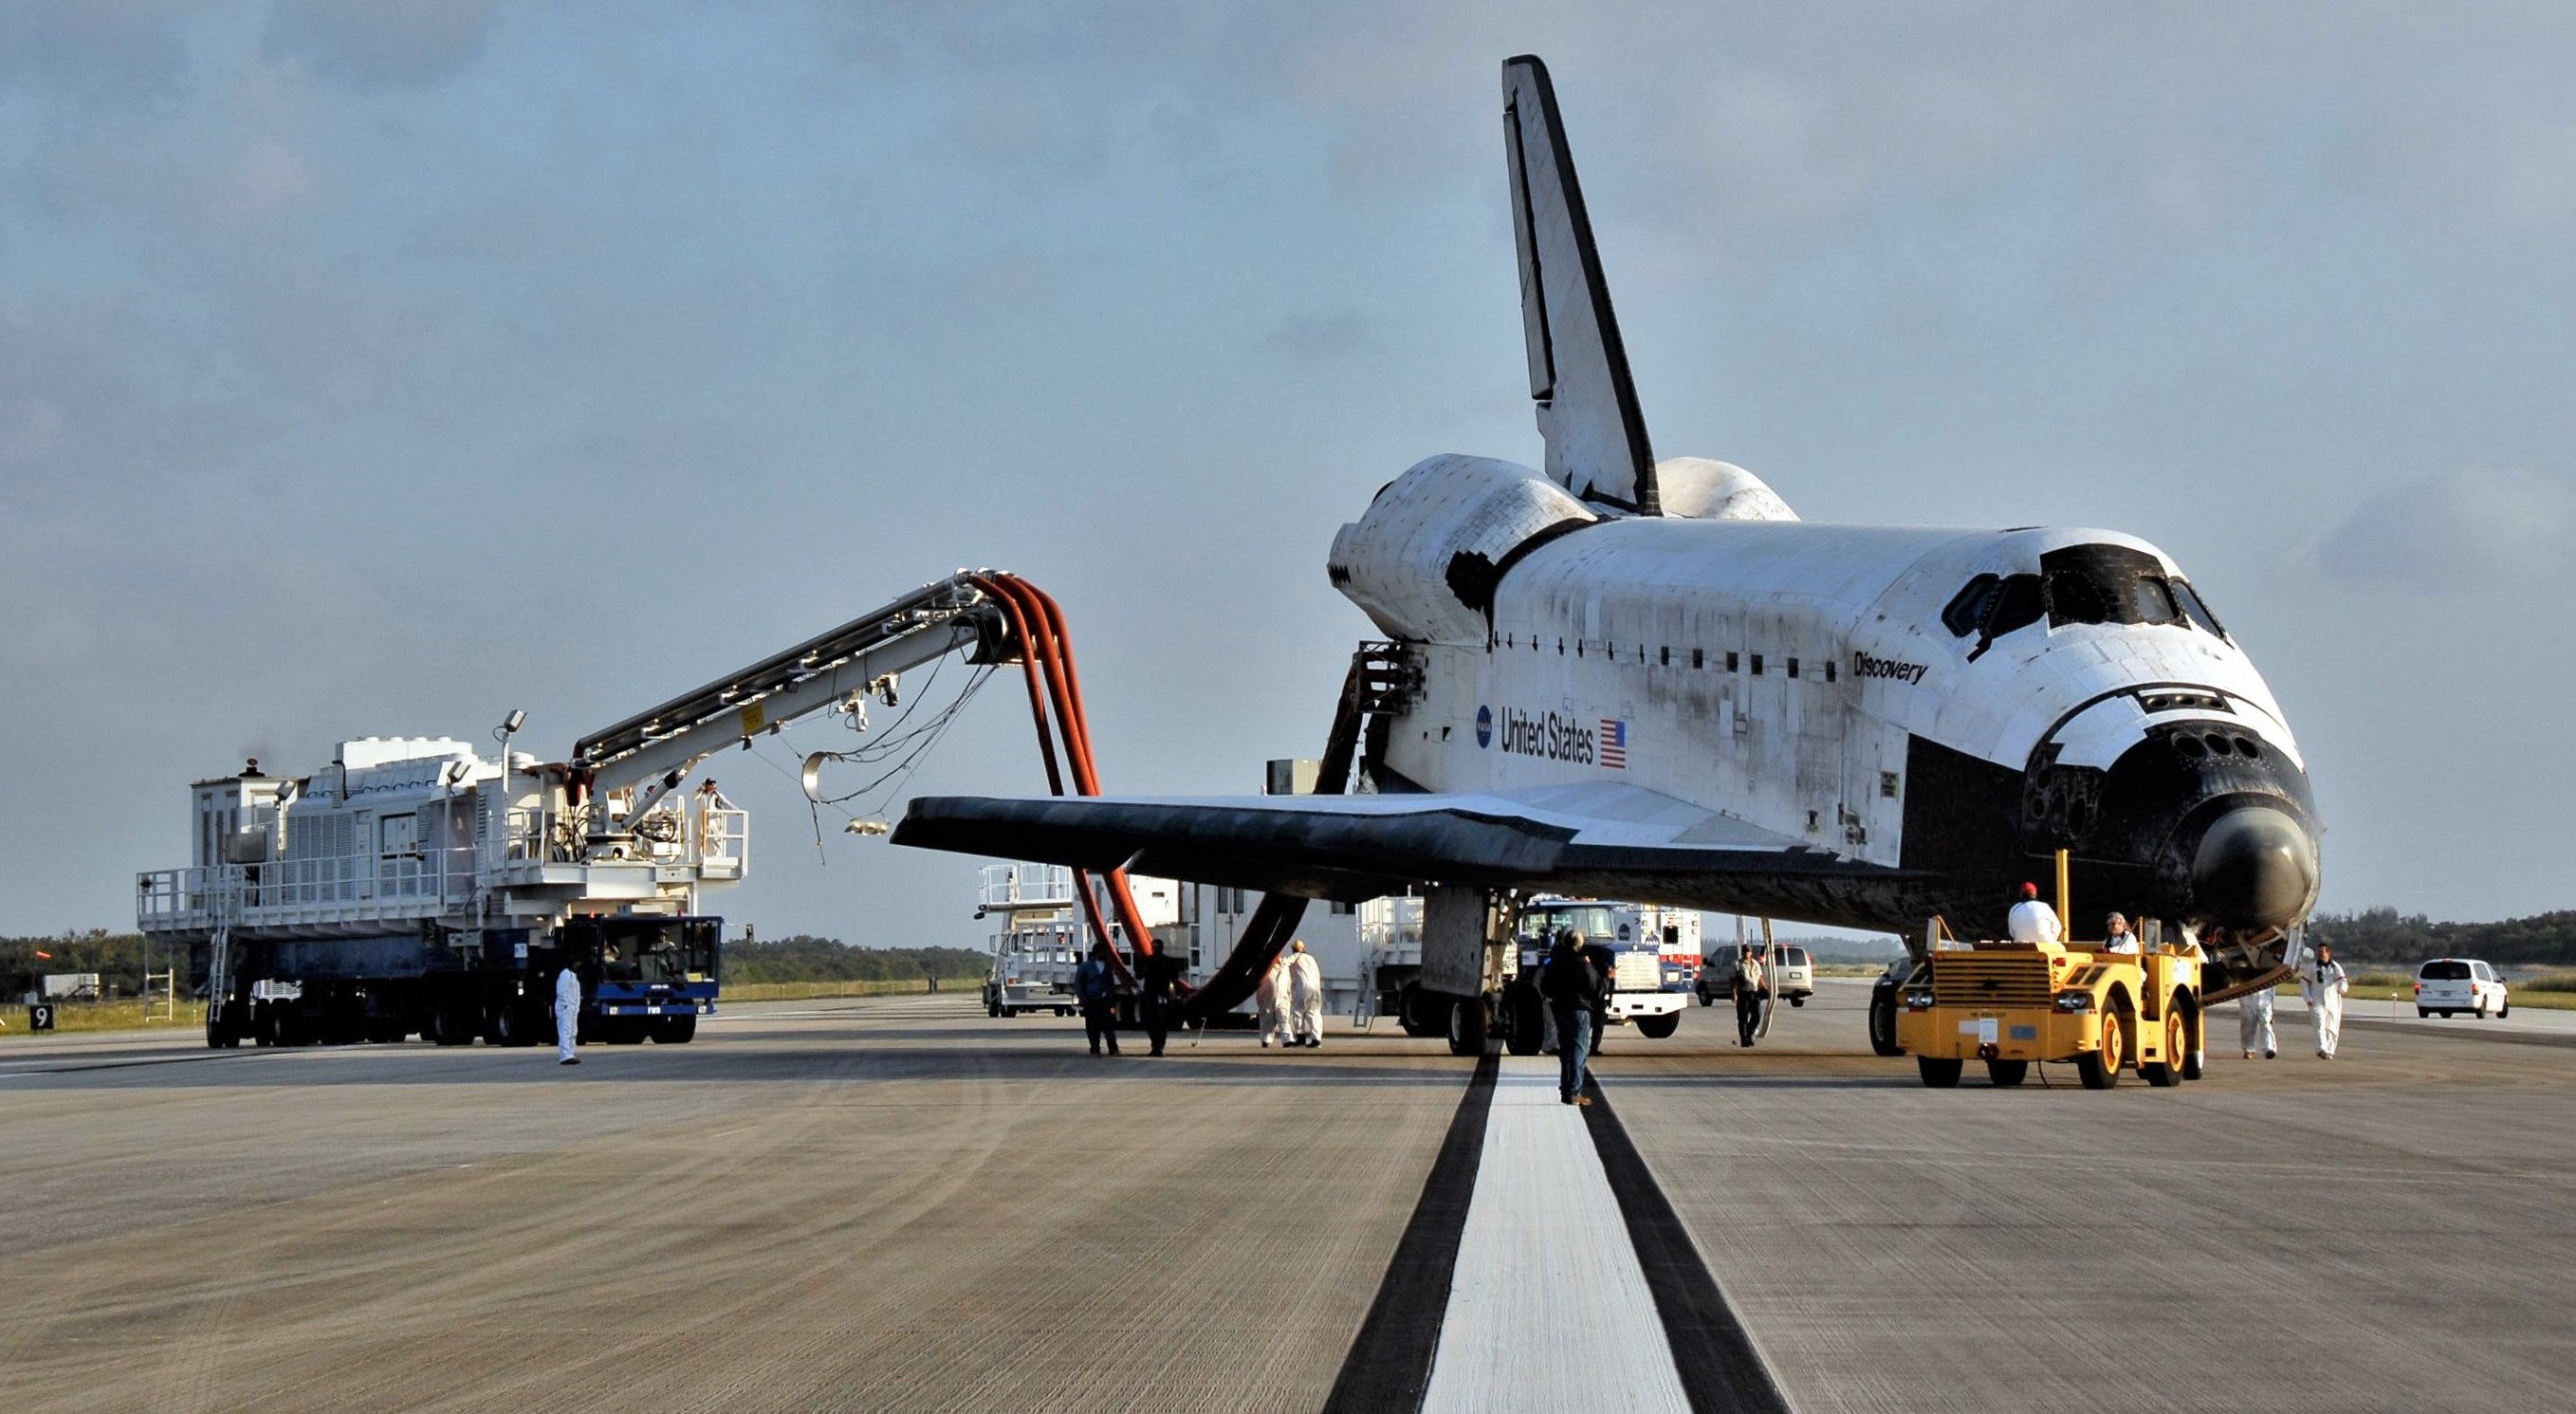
[(2018, 604), (2196, 607), (1968, 610), (2106, 584)]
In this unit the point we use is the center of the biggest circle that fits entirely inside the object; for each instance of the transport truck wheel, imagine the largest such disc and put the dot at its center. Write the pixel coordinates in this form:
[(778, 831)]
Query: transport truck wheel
[(1410, 1002), (2007, 1072), (1529, 1021), (1656, 1028), (1940, 1074), (1470, 1027), (1797, 1001), (675, 1030)]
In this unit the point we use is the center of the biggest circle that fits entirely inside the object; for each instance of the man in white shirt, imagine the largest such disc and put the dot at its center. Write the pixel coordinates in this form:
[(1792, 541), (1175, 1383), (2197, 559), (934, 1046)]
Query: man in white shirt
[(2032, 921)]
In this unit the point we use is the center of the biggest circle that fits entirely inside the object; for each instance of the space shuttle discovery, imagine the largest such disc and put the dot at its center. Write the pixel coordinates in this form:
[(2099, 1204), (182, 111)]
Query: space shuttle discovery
[(1626, 678)]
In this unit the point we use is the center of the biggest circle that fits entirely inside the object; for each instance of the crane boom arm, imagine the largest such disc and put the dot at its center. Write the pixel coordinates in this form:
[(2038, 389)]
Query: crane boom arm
[(943, 617)]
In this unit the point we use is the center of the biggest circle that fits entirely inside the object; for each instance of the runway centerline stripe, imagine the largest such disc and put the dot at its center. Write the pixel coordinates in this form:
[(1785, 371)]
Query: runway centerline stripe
[(1550, 1309), (1719, 1367), (1389, 1365)]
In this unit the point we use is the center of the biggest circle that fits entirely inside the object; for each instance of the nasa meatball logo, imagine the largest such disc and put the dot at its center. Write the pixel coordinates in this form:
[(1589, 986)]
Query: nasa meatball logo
[(1484, 727)]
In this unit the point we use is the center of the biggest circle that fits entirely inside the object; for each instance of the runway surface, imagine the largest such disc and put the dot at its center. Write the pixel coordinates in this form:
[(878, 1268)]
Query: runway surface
[(900, 1204)]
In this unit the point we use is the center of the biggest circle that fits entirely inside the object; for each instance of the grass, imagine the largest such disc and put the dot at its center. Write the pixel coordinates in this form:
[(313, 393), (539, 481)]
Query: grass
[(128, 1015), (104, 1016)]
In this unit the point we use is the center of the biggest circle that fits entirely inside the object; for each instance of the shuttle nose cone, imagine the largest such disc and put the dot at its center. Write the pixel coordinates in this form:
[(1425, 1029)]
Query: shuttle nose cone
[(2256, 868)]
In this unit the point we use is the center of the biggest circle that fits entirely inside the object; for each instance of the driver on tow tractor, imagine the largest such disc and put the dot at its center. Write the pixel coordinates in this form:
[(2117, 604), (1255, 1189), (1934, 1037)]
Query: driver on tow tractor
[(2032, 921), (2116, 935)]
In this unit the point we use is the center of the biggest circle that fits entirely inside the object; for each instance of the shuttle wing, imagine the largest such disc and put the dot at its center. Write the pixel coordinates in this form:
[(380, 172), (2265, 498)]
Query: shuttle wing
[(1593, 838)]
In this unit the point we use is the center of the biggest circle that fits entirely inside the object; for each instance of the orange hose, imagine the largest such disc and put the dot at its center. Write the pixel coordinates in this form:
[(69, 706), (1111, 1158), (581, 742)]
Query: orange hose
[(1044, 654)]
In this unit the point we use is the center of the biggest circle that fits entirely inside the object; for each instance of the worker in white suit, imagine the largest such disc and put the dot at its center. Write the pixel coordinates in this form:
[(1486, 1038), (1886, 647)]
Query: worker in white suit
[(1306, 994), (1272, 998), (567, 1016), (2032, 921), (2324, 983)]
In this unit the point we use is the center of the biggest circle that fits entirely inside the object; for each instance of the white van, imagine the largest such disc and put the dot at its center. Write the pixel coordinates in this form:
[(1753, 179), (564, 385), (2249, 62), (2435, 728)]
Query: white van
[(2451, 985), (1793, 979)]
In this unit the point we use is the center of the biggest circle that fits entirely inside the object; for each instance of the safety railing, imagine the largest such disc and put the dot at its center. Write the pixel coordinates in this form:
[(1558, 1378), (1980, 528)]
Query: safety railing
[(411, 884), (1016, 887)]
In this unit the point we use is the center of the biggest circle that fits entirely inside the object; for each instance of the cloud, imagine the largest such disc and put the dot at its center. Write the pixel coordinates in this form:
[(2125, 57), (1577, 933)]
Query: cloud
[(2461, 531), (394, 42), (1315, 338), (114, 47)]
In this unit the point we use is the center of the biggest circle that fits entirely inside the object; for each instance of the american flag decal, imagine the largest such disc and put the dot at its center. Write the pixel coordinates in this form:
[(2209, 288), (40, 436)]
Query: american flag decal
[(1614, 744)]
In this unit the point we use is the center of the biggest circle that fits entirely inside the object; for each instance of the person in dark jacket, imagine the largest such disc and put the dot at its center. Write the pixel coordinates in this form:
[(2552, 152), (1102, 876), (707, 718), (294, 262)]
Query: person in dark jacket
[(1605, 966), (1095, 986), (1154, 1002), (1751, 984), (1572, 986)]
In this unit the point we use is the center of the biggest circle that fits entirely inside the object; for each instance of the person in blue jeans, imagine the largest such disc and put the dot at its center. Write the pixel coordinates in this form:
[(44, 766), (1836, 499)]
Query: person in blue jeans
[(1095, 986), (1572, 986)]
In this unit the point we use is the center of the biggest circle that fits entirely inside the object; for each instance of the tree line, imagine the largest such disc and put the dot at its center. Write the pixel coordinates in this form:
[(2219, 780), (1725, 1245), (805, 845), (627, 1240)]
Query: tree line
[(2385, 935)]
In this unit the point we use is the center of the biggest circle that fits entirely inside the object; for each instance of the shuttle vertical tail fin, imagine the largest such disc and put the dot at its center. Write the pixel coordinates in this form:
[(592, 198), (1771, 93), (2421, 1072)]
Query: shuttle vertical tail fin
[(1587, 405)]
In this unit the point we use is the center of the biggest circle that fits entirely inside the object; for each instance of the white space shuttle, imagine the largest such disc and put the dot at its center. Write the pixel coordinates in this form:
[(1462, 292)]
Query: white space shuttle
[(1625, 678)]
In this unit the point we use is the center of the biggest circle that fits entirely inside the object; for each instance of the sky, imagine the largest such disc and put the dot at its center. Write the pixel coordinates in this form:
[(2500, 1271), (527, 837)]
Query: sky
[(379, 368)]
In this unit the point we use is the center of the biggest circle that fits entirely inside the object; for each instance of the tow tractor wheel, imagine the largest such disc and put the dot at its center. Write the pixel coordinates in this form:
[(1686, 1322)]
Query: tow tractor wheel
[(1940, 1073), (2100, 1070), (1882, 1026), (2166, 1073), (1656, 1028), (2007, 1072)]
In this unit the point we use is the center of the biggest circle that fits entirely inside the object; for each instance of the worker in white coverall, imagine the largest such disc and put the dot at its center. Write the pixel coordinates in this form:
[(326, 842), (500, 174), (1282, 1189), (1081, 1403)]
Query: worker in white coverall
[(2032, 921), (1306, 994), (567, 1016), (2323, 983), (1272, 999), (2254, 1024)]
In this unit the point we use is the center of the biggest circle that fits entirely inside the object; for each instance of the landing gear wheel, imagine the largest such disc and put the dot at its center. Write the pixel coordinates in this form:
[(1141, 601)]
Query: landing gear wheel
[(1529, 1021), (2007, 1072), (1940, 1074), (1656, 1028), (2167, 1073), (1470, 1028), (2100, 1070), (1882, 1026)]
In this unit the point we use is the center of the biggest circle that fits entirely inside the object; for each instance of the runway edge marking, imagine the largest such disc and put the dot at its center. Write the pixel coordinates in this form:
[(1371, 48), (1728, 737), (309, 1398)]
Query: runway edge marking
[(1721, 1370), (1388, 1369)]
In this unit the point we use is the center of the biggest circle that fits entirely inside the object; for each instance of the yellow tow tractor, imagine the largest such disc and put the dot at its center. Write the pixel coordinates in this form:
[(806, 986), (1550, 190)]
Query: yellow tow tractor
[(2009, 1004)]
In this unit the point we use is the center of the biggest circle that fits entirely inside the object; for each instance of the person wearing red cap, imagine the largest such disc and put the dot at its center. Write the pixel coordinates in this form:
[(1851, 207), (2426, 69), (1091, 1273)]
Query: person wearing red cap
[(2032, 921)]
